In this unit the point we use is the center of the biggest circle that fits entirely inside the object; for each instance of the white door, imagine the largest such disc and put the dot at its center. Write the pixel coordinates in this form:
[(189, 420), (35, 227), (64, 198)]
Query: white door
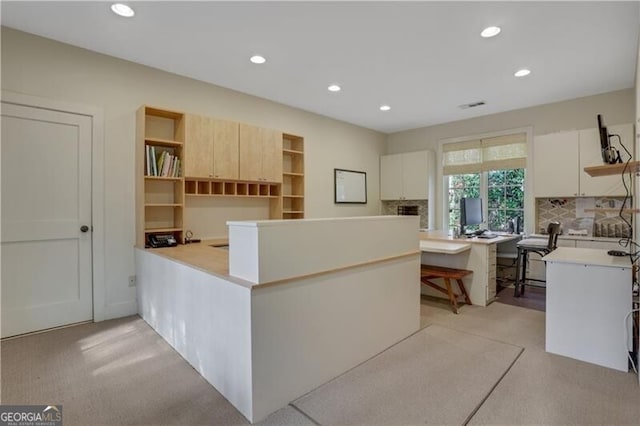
[(46, 202)]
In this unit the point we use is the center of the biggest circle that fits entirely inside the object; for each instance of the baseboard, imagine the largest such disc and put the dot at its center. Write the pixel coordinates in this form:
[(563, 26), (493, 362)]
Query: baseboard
[(121, 309)]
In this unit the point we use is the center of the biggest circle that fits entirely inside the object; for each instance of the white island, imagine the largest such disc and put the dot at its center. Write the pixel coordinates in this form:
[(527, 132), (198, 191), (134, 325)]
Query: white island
[(589, 295), (301, 302)]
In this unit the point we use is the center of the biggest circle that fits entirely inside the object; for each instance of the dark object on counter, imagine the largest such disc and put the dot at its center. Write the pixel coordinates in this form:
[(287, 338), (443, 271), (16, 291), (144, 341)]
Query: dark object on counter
[(617, 253), (407, 210), (514, 225)]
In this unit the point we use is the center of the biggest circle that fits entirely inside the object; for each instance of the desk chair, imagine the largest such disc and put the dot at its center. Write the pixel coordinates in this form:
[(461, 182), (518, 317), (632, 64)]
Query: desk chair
[(506, 256), (533, 245)]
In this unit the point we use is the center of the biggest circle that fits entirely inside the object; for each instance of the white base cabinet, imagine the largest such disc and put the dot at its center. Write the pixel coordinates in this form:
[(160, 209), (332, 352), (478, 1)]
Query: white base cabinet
[(588, 298)]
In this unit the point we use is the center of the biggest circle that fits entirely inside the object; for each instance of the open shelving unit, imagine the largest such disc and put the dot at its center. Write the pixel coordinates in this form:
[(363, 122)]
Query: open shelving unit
[(159, 199), (609, 170), (612, 169), (226, 188), (292, 177)]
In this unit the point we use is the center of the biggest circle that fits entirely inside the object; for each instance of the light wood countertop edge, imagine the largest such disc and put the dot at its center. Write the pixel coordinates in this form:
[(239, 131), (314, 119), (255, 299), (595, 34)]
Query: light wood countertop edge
[(330, 271)]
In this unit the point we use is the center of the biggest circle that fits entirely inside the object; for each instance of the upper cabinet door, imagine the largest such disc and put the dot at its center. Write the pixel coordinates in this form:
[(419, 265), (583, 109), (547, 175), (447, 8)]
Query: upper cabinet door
[(415, 175), (250, 153), (590, 155), (225, 149), (391, 177), (271, 155), (198, 147), (555, 165)]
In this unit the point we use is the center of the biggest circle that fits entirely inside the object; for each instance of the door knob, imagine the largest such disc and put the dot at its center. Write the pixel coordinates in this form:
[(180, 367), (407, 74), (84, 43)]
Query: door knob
[(84, 228)]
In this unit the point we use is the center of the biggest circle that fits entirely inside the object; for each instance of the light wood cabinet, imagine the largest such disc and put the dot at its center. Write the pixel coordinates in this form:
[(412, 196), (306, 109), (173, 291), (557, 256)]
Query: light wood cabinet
[(159, 195), (198, 147), (405, 176), (260, 154), (211, 148), (226, 147), (217, 158), (559, 160)]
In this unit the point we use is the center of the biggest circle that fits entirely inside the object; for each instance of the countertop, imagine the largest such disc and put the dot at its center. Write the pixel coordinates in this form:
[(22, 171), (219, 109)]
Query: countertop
[(444, 236), (202, 256), (587, 256), (448, 247), (578, 237)]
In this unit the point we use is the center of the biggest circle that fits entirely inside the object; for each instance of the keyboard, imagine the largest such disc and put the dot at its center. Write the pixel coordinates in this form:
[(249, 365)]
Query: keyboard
[(487, 236)]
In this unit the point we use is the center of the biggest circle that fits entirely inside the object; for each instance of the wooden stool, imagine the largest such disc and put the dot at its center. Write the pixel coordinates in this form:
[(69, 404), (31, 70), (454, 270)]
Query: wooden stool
[(430, 272)]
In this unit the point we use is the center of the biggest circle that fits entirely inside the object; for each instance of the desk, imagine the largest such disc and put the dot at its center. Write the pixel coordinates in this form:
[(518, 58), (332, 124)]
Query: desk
[(479, 257), (432, 246), (589, 293)]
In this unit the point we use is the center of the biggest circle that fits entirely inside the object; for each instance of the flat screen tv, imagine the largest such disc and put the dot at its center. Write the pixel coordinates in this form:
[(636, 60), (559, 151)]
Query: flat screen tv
[(470, 213)]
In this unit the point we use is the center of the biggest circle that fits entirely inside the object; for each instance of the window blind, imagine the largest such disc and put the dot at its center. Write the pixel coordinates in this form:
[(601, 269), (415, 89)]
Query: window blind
[(474, 156)]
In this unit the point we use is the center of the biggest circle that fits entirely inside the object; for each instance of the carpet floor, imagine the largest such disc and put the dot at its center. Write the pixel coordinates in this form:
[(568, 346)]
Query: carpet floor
[(425, 379), (120, 372)]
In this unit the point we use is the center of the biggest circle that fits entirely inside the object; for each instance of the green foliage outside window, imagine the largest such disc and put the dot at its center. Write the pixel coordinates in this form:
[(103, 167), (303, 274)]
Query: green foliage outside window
[(504, 197)]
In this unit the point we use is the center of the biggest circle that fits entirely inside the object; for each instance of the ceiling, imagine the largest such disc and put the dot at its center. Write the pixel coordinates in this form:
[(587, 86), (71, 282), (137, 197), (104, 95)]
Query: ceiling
[(424, 59)]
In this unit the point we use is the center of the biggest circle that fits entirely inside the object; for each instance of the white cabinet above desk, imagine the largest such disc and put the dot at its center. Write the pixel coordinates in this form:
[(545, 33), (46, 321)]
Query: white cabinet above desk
[(559, 160), (406, 176)]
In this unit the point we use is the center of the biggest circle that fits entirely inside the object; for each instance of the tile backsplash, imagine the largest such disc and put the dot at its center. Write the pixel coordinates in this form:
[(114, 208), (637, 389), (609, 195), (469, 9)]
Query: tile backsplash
[(563, 210), (391, 208)]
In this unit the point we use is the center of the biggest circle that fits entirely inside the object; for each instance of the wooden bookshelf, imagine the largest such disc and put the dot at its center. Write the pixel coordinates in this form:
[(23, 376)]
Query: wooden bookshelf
[(159, 199), (292, 200), (613, 169)]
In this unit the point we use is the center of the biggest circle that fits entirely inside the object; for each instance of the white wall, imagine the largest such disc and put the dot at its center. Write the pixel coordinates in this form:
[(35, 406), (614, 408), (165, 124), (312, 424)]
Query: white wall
[(48, 69), (616, 108)]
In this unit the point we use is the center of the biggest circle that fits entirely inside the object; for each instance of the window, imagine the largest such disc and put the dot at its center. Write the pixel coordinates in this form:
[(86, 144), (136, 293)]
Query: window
[(505, 197), (502, 196), (461, 186), (491, 168)]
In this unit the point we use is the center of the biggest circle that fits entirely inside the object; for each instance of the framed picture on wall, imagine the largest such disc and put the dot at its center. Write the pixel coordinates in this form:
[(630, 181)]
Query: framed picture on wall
[(350, 186)]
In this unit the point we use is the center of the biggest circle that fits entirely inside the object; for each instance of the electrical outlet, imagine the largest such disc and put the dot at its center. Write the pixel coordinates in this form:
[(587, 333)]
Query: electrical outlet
[(132, 281)]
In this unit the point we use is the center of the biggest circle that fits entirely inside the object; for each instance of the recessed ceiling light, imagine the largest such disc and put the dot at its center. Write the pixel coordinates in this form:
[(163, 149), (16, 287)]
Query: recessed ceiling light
[(122, 10), (385, 107), (257, 59), (490, 32), (334, 88), (522, 72)]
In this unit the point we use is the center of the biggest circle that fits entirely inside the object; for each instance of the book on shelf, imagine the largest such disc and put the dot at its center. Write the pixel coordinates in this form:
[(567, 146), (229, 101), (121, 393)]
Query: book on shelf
[(161, 163), (147, 162)]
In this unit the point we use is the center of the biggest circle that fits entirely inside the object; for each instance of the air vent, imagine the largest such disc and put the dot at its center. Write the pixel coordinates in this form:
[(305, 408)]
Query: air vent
[(471, 105)]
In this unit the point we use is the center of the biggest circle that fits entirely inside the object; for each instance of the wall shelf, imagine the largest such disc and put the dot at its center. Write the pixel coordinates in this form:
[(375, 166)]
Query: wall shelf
[(162, 142), (612, 210), (612, 169)]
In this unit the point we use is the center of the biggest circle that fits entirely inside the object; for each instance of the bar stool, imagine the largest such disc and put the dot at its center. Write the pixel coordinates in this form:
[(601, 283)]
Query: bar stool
[(533, 245)]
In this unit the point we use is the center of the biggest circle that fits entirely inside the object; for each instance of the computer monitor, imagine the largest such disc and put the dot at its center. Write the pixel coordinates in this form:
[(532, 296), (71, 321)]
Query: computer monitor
[(470, 213)]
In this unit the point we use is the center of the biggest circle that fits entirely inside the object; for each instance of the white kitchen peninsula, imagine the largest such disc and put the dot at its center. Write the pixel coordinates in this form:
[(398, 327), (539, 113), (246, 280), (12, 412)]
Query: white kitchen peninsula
[(589, 294), (299, 303)]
